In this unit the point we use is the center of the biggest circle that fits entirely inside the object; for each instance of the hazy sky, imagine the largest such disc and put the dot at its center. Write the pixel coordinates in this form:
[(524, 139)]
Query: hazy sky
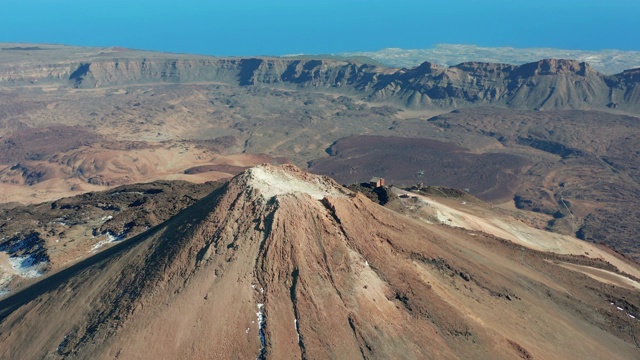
[(255, 27)]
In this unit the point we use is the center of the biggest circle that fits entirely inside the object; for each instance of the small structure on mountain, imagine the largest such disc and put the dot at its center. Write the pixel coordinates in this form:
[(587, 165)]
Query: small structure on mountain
[(376, 182)]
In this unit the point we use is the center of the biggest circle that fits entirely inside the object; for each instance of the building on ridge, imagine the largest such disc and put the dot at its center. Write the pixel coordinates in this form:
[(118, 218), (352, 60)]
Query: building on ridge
[(376, 182)]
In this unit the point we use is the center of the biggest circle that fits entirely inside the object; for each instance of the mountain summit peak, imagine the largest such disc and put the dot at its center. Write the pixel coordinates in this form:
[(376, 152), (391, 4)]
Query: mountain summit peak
[(271, 181)]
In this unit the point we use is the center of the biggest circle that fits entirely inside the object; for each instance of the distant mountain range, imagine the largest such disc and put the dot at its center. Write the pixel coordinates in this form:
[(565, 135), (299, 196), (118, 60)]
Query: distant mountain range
[(543, 84), (605, 61)]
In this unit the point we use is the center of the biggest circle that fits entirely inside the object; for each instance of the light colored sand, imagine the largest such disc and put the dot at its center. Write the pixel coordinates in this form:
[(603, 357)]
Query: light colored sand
[(272, 181), (604, 276), (469, 217)]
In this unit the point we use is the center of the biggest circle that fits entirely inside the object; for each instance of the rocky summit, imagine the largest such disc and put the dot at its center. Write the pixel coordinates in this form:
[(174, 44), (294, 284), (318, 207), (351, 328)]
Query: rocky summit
[(279, 263)]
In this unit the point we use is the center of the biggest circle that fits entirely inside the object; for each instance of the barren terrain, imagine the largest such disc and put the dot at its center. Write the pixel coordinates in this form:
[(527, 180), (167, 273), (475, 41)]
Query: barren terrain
[(74, 120), (36, 240), (586, 170), (407, 161), (295, 247)]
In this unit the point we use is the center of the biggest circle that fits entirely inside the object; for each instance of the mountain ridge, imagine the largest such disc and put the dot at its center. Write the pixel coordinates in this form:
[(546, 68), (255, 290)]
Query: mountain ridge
[(545, 84), (606, 61)]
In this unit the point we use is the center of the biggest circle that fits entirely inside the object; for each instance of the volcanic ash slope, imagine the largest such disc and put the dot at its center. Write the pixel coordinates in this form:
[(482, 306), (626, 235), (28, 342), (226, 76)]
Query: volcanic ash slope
[(282, 264)]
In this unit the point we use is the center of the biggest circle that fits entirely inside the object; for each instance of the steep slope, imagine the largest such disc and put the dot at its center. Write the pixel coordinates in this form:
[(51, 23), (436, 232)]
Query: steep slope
[(545, 84), (283, 264), (628, 81)]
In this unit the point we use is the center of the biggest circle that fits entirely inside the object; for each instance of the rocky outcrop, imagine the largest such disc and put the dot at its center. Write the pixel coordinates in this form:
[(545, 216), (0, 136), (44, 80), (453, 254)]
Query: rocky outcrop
[(626, 87)]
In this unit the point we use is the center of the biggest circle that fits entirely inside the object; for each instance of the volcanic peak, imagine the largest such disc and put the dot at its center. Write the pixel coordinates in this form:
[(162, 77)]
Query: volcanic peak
[(239, 277), (271, 181)]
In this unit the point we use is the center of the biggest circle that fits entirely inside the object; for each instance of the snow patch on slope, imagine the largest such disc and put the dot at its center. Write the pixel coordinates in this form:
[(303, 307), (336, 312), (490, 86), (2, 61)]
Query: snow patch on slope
[(261, 325), (26, 266), (110, 239)]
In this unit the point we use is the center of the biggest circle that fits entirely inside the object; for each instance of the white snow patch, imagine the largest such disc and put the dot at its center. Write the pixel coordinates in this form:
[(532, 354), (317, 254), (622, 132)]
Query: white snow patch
[(110, 239), (631, 316), (295, 324), (260, 317), (260, 325), (24, 267), (278, 182), (619, 308), (100, 244)]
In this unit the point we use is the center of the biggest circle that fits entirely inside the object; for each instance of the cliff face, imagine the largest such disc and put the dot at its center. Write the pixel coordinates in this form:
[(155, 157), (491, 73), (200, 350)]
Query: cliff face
[(22, 75), (126, 71), (545, 84), (627, 88)]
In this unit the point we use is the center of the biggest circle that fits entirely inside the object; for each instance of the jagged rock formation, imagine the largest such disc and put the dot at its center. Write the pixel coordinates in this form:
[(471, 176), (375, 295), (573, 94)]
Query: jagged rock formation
[(545, 84), (283, 264)]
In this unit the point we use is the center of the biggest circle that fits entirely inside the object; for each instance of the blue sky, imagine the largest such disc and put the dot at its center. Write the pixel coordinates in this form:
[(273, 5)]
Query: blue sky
[(253, 27)]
